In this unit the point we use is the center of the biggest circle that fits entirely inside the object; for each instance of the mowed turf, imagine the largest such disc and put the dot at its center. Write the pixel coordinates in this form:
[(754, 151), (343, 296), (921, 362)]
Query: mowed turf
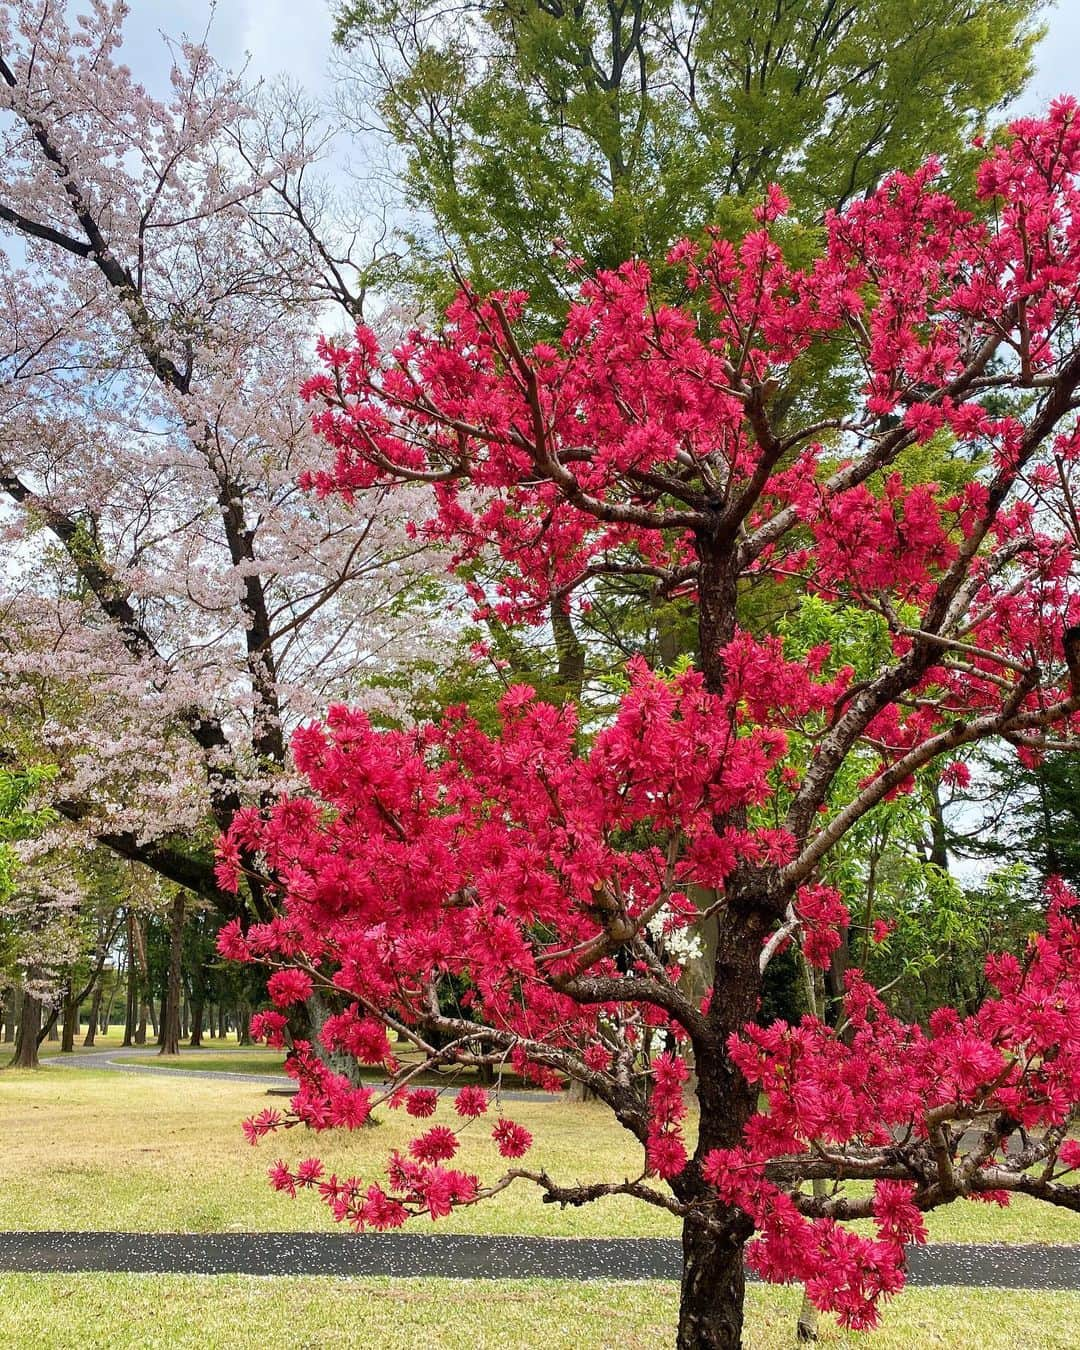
[(92, 1149), (140, 1312)]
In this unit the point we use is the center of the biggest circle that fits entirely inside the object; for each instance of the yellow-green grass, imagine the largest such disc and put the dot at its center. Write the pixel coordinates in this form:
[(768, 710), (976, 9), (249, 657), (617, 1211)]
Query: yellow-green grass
[(89, 1149), (122, 1312), (235, 1061)]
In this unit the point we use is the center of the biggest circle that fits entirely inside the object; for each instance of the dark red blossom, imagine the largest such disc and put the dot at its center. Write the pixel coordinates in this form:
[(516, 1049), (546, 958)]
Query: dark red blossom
[(514, 1141)]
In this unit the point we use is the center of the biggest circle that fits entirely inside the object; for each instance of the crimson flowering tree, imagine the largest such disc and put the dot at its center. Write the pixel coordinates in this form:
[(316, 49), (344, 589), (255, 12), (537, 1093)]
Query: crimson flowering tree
[(556, 874)]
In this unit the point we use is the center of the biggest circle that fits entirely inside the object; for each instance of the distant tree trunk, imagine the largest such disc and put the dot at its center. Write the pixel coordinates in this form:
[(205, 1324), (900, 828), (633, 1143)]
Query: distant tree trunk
[(71, 1020), (196, 1017), (146, 1003), (26, 1042), (170, 1008), (52, 1034), (95, 1012), (243, 1023), (105, 1021), (185, 1013), (11, 1015), (132, 983)]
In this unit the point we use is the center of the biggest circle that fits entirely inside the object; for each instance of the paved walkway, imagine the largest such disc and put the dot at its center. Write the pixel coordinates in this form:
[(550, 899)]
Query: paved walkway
[(458, 1257), (141, 1059), (144, 1059)]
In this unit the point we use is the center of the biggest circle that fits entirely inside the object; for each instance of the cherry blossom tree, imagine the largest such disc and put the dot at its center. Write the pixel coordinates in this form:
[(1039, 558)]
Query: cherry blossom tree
[(533, 862), (173, 604)]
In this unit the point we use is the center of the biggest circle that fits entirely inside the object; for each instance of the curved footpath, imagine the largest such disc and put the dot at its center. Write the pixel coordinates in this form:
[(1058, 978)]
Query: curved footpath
[(129, 1059), (141, 1059), (461, 1257)]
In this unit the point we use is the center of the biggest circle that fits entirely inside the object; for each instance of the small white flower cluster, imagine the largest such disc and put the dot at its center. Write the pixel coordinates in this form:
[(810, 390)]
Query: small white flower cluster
[(680, 944)]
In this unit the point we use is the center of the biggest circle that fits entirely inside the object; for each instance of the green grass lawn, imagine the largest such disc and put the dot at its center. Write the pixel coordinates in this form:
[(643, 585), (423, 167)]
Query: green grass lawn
[(144, 1312), (240, 1060), (98, 1149), (90, 1149)]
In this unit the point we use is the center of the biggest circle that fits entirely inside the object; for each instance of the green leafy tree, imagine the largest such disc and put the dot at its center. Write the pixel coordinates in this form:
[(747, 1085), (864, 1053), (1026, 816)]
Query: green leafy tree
[(618, 127)]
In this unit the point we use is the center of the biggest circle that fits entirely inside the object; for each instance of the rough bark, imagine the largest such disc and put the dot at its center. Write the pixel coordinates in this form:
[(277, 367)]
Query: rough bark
[(26, 1040), (712, 1292)]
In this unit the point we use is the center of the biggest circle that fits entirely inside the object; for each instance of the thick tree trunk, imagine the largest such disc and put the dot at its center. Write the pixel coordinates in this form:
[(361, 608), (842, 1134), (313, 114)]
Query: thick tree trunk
[(570, 652), (170, 1008), (713, 1290), (26, 1041), (713, 1282)]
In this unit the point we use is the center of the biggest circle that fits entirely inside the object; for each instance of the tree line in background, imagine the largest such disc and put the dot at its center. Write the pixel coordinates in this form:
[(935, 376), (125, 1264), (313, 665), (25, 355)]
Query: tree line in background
[(139, 976)]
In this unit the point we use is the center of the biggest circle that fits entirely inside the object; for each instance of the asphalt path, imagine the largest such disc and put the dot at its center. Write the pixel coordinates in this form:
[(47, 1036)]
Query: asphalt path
[(468, 1257), (144, 1059)]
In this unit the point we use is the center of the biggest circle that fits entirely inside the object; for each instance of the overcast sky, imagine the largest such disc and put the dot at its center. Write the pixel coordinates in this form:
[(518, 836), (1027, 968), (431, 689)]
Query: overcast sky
[(280, 36), (293, 36), (1058, 57)]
